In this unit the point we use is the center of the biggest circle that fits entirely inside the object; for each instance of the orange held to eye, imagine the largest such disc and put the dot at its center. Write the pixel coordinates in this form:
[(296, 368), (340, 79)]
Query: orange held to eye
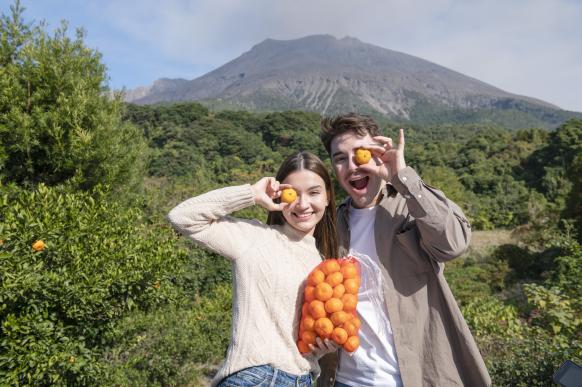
[(363, 156), (288, 195), (330, 299)]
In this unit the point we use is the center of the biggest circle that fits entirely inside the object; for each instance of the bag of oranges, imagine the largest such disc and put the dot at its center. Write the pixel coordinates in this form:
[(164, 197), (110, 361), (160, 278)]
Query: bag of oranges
[(329, 304)]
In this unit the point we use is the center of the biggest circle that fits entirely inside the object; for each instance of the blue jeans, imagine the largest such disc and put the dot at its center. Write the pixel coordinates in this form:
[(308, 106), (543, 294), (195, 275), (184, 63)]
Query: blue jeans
[(265, 376)]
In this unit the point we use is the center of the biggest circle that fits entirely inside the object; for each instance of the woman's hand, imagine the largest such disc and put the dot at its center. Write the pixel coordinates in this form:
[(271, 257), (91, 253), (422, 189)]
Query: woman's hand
[(267, 189), (323, 347)]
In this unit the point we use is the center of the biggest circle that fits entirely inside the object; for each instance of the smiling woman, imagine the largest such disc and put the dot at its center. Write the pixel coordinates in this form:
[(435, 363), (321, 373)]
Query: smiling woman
[(270, 263)]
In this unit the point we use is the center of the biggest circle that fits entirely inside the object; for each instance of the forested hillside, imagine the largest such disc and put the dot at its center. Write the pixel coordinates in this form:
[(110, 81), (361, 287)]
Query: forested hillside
[(96, 289)]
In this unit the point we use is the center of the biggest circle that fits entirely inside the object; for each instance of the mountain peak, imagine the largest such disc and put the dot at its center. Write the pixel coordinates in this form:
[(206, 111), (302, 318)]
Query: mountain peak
[(328, 75)]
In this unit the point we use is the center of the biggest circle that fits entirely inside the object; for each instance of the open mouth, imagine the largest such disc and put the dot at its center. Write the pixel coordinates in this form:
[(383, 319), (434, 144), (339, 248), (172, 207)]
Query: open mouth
[(360, 184)]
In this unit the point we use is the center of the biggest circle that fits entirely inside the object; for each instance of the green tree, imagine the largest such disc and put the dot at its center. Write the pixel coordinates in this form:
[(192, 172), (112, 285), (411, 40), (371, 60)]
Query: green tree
[(58, 121)]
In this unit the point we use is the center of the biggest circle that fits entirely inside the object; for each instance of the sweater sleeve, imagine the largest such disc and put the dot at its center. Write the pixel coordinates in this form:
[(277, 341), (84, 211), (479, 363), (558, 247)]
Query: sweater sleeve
[(444, 231), (204, 220)]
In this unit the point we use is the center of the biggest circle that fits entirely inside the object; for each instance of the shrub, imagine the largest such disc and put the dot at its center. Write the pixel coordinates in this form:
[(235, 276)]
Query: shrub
[(172, 346), (100, 262)]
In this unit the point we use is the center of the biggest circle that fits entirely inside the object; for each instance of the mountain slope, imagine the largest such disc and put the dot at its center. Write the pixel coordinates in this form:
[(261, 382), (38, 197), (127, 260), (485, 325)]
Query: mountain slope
[(327, 75)]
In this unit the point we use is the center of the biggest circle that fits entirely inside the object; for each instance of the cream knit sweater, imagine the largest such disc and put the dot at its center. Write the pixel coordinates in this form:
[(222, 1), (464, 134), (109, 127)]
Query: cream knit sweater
[(270, 265)]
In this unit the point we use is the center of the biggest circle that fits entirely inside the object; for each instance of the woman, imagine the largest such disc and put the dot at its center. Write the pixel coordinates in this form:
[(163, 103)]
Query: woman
[(270, 264)]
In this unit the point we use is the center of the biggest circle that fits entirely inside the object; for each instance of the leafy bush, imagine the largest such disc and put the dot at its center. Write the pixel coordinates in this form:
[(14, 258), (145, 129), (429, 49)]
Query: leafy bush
[(172, 346), (58, 122), (100, 262)]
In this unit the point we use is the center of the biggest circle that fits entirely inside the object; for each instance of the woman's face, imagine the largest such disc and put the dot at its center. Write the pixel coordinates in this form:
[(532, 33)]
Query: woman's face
[(308, 209)]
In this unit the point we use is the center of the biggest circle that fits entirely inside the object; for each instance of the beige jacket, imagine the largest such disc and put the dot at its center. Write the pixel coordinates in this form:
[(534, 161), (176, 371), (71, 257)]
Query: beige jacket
[(417, 229)]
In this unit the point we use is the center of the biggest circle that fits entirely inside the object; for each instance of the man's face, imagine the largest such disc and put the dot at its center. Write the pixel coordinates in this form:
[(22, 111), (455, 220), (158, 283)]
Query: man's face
[(362, 186)]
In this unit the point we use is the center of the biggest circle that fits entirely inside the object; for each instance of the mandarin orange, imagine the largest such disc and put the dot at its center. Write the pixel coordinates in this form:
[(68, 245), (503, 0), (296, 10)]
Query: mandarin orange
[(323, 327), (338, 291), (350, 301), (317, 309), (308, 293), (350, 327), (330, 266), (349, 270), (339, 335), (308, 337), (352, 343), (303, 347), (351, 286), (333, 305), (334, 279), (316, 277), (307, 323), (338, 318), (323, 291)]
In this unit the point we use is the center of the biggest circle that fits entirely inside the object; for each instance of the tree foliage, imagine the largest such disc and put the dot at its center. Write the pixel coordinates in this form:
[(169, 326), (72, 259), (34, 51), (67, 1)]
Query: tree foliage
[(58, 122)]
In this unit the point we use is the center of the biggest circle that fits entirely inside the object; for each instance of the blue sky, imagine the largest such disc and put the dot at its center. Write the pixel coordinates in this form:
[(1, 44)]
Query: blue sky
[(529, 47)]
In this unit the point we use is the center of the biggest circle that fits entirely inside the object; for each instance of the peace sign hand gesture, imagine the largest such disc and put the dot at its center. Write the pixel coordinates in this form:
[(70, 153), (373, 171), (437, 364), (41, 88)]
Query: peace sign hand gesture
[(391, 159)]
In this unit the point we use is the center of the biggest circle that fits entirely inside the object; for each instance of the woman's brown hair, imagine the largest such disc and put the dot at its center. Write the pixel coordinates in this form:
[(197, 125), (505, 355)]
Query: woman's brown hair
[(325, 233)]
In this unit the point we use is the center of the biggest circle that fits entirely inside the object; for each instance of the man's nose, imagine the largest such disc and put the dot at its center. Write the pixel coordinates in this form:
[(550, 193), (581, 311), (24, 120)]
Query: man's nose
[(352, 166)]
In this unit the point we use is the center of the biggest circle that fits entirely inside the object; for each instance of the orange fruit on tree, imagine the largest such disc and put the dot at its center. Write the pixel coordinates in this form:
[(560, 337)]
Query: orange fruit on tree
[(350, 327), (308, 337), (307, 323), (349, 270), (303, 347), (323, 291), (333, 305), (352, 343), (288, 195), (308, 293), (338, 318), (351, 286), (316, 277), (338, 291), (323, 327), (329, 266), (334, 279), (350, 301), (317, 309), (339, 335), (38, 245), (362, 156)]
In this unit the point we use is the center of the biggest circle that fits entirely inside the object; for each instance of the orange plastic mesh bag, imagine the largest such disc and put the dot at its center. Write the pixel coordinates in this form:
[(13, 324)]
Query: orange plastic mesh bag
[(330, 299)]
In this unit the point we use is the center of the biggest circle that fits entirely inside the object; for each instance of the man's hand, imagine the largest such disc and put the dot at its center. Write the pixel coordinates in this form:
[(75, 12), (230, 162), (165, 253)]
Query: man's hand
[(390, 159)]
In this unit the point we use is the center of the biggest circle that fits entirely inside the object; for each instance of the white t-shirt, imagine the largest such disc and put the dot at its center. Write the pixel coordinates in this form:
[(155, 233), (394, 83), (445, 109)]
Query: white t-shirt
[(374, 363)]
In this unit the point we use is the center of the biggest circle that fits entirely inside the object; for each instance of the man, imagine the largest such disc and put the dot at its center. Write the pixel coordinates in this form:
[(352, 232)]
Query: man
[(417, 337)]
